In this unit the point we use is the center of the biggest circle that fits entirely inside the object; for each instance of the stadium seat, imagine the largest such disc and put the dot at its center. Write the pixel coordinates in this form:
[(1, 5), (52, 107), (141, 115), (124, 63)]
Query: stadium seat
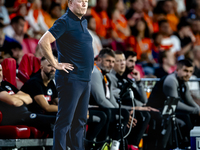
[(14, 132), (28, 65), (9, 70), (29, 45)]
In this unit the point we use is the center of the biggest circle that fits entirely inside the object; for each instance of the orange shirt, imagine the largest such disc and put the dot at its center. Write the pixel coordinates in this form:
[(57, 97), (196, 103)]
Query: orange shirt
[(173, 21), (143, 46), (149, 22), (102, 22), (197, 42), (123, 23), (47, 18)]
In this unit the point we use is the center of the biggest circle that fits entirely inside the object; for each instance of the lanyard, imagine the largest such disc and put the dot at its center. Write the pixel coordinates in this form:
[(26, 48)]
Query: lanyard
[(105, 78)]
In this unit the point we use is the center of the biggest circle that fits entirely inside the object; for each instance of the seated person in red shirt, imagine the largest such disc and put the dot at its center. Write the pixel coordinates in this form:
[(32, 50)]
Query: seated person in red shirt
[(13, 107), (42, 90)]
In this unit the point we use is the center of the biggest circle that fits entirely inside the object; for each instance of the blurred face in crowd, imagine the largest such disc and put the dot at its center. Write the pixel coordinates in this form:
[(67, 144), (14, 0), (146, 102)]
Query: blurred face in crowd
[(195, 26), (140, 26), (106, 63), (78, 7), (2, 37), (185, 30), (17, 53), (120, 6), (165, 29), (116, 15), (23, 10), (92, 24), (138, 5), (37, 4), (168, 7), (56, 12), (1, 73), (102, 4), (19, 27), (120, 63), (169, 60), (147, 6), (185, 73), (158, 40), (130, 62), (48, 69)]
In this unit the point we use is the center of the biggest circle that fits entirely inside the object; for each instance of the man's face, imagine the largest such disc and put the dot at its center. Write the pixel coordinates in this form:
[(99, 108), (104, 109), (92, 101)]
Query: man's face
[(19, 27), (185, 30), (185, 73), (130, 62), (1, 73), (165, 29), (102, 4), (17, 53), (106, 63), (120, 63), (48, 69), (79, 7)]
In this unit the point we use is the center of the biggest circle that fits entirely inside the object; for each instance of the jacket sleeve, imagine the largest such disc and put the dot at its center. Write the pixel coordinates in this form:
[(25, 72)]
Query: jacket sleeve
[(97, 90)]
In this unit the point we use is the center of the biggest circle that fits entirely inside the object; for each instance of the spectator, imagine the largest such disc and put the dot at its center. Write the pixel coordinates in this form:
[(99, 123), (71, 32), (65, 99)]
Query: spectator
[(135, 12), (140, 41), (97, 46), (184, 37), (13, 105), (156, 46), (55, 12), (16, 29), (167, 42), (21, 10), (14, 51), (4, 13), (169, 11), (167, 61), (37, 22), (42, 90), (120, 28), (175, 85), (101, 18)]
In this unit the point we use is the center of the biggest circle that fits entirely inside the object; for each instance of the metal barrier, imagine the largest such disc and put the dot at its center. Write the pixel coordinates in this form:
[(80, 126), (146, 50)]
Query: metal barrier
[(149, 83)]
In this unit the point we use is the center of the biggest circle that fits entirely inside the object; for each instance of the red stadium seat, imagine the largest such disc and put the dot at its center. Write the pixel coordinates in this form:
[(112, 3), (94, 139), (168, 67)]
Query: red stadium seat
[(9, 70), (29, 45), (14, 132), (28, 65), (35, 133)]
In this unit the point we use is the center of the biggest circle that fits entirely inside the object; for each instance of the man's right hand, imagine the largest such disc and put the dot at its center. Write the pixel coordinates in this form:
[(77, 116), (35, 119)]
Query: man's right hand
[(64, 67)]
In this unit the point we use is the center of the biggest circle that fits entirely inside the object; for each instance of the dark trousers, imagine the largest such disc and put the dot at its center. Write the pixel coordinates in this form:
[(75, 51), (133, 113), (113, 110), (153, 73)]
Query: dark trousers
[(72, 113), (157, 140), (143, 118)]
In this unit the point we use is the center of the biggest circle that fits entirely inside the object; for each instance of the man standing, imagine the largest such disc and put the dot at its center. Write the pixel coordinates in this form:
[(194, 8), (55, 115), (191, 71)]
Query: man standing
[(75, 56)]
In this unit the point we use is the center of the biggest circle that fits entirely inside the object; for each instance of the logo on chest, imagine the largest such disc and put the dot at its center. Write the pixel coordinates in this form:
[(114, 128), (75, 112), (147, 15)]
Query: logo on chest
[(48, 96), (10, 91)]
